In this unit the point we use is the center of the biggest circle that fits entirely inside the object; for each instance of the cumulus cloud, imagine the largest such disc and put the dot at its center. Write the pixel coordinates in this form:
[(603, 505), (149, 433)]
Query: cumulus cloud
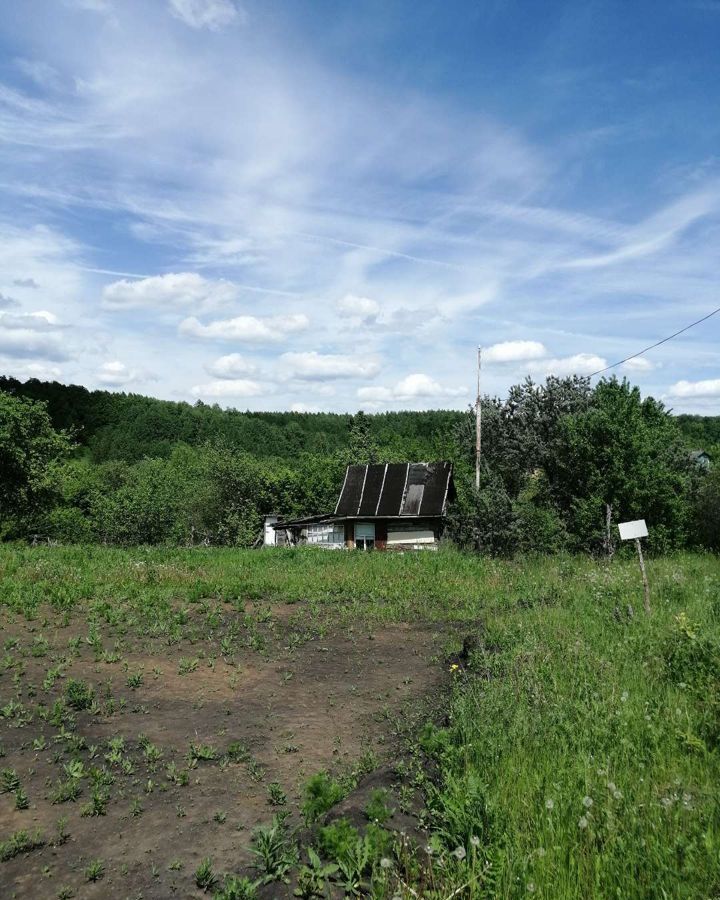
[(639, 365), (34, 321), (236, 387), (212, 14), (176, 289), (707, 388), (313, 366), (579, 364), (21, 370), (248, 329), (31, 335), (7, 302), (514, 351), (230, 366), (362, 308), (115, 374), (413, 387)]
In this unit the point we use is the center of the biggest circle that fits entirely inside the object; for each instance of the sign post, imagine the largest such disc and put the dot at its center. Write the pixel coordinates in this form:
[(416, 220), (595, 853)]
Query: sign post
[(633, 531)]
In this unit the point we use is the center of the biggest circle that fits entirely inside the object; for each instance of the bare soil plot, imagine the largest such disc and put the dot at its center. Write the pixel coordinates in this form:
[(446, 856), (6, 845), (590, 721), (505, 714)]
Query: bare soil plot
[(173, 758)]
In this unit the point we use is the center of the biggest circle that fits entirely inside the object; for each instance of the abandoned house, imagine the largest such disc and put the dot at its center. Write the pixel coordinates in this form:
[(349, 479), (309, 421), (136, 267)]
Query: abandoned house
[(393, 506)]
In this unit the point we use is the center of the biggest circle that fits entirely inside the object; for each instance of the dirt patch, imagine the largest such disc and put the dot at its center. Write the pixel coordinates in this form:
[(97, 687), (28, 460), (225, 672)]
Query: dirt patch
[(287, 701)]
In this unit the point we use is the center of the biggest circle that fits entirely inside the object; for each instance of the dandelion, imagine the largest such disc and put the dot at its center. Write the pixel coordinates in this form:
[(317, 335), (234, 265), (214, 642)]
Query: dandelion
[(454, 667), (459, 853), (582, 822), (587, 802), (617, 795), (624, 696), (429, 849), (541, 851), (531, 887), (549, 804), (611, 786), (385, 863), (475, 841)]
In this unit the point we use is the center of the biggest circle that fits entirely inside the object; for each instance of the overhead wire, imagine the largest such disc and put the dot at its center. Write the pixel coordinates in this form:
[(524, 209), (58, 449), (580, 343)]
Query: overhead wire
[(656, 344)]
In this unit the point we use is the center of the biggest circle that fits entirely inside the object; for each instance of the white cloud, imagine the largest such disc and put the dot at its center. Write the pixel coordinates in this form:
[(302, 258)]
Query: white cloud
[(246, 329), (413, 387), (24, 370), (237, 387), (231, 366), (176, 289), (313, 366), (34, 321), (707, 388), (579, 364), (116, 374), (31, 335), (638, 365), (514, 351), (8, 302), (362, 308), (212, 14)]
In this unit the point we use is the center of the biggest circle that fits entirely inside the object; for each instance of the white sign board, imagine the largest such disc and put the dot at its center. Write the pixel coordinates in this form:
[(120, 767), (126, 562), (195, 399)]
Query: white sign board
[(631, 530)]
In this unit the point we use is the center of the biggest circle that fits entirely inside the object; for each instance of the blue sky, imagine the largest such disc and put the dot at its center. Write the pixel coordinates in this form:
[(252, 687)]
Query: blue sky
[(318, 205)]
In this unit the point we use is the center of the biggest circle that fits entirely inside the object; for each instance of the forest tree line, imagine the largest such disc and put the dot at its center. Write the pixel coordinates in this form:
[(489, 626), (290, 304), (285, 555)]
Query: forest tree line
[(558, 458)]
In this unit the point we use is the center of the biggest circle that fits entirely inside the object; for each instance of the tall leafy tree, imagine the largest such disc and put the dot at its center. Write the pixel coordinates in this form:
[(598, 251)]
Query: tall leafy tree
[(30, 450)]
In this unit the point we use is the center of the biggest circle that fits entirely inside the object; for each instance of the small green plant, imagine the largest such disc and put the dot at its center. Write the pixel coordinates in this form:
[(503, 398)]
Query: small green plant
[(9, 781), (275, 851), (66, 791), (62, 835), (313, 877), (95, 870), (136, 808), (276, 794), (236, 888), (237, 752), (135, 680), (203, 752), (19, 842), (79, 695), (205, 878), (21, 799), (188, 665), (97, 806), (220, 817), (320, 793), (377, 809)]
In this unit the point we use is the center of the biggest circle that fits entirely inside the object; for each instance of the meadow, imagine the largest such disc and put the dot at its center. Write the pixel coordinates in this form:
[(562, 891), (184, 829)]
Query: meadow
[(239, 724)]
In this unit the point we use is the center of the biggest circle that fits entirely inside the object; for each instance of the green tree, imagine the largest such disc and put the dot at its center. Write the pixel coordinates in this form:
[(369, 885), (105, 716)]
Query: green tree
[(626, 452), (30, 451)]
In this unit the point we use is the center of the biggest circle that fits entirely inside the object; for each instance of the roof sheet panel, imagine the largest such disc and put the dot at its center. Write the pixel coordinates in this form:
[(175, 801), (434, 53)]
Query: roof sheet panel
[(436, 488), (392, 494), (351, 492), (373, 487)]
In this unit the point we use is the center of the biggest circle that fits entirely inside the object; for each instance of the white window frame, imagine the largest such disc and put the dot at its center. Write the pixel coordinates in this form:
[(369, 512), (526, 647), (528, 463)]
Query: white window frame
[(364, 535)]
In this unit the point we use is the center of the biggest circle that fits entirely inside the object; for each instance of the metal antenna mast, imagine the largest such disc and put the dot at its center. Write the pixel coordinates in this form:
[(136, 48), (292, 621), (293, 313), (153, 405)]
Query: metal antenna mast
[(478, 423)]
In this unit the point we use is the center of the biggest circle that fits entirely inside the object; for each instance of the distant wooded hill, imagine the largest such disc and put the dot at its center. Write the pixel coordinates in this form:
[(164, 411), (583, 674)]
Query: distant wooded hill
[(130, 427)]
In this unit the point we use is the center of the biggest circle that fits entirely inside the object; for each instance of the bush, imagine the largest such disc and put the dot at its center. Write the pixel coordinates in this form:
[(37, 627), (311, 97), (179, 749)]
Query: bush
[(321, 793)]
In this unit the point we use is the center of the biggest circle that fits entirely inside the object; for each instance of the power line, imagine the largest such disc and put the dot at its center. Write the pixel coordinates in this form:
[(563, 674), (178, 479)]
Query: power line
[(656, 344)]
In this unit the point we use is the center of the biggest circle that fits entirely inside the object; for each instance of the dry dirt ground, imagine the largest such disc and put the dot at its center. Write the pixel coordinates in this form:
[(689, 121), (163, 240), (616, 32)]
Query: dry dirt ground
[(291, 698)]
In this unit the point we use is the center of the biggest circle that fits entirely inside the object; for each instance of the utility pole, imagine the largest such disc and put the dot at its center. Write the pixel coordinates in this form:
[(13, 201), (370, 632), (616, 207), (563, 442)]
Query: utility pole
[(478, 422)]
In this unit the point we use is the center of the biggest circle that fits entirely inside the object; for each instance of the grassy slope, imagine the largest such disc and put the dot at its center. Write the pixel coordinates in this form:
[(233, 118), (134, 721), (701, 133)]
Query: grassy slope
[(581, 755)]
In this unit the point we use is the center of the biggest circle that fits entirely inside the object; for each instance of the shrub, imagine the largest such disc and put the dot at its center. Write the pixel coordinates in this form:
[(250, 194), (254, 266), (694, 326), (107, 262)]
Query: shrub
[(321, 793)]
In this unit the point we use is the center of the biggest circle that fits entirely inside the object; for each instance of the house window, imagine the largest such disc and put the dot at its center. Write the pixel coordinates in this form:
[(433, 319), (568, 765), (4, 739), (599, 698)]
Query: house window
[(326, 535), (364, 535)]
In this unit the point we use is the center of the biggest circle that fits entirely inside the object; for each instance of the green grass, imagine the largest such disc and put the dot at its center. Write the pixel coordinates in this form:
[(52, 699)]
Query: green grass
[(580, 751)]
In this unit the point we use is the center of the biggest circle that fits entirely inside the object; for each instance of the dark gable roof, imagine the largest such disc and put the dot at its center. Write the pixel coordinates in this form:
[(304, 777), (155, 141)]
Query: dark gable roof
[(395, 489)]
